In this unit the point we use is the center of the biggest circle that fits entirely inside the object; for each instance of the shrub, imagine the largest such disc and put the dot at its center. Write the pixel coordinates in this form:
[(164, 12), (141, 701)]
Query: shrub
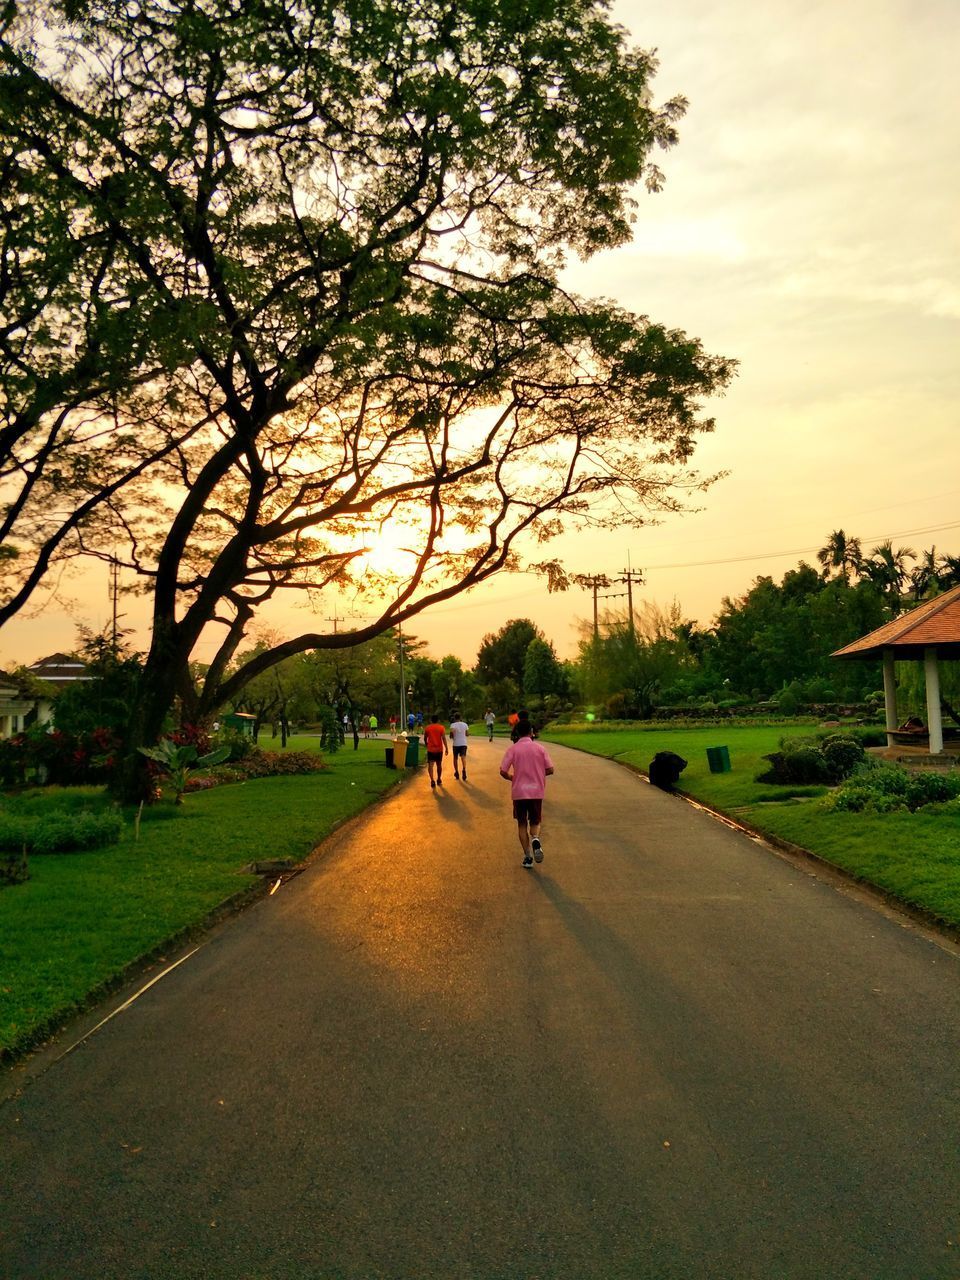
[(619, 706), (884, 788), (799, 760), (331, 730), (931, 788), (177, 760), (859, 798), (60, 831), (842, 754), (239, 744), (259, 764)]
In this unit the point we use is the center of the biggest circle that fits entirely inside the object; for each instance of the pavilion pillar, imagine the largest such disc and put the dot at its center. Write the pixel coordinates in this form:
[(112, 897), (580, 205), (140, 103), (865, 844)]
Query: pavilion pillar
[(931, 677), (889, 695)]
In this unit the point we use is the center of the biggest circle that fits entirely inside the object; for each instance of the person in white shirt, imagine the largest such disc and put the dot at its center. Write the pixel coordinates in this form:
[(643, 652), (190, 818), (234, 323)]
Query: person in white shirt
[(459, 732), (489, 719)]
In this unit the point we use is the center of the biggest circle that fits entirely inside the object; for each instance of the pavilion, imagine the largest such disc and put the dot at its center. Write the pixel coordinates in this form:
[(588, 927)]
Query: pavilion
[(929, 633)]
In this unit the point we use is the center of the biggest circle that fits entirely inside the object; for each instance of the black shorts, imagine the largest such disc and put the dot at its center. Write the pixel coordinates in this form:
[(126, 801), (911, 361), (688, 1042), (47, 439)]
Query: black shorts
[(459, 751), (530, 811), (435, 756)]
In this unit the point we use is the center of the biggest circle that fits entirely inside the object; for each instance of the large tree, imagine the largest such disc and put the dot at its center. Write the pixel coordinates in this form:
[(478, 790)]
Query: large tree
[(306, 285), (502, 654)]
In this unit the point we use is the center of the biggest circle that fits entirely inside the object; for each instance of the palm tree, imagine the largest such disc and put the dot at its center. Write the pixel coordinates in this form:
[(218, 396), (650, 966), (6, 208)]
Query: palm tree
[(888, 569), (927, 574), (950, 572), (841, 553)]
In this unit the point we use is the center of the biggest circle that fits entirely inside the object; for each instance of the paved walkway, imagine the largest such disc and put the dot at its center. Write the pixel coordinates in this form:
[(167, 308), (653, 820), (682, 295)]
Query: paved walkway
[(665, 1053)]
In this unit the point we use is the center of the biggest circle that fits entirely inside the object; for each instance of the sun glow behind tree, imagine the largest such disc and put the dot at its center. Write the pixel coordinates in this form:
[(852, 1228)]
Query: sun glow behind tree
[(315, 292)]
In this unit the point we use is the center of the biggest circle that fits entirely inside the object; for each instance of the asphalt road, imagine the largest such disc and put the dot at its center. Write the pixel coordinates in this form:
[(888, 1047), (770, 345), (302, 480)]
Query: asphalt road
[(665, 1053)]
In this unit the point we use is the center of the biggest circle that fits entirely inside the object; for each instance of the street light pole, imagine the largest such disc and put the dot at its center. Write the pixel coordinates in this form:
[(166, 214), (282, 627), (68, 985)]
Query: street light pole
[(403, 687)]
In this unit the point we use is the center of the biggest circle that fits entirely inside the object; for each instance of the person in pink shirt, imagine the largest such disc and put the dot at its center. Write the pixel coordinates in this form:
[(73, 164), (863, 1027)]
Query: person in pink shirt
[(530, 763)]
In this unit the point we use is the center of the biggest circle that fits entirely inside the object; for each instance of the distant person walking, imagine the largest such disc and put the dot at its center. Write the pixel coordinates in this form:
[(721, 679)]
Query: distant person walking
[(523, 718), (459, 732), (435, 740), (530, 763), (374, 725), (411, 722), (489, 719)]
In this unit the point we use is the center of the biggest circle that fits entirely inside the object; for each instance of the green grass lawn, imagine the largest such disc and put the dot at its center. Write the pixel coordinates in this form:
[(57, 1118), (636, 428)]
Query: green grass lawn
[(913, 856), (83, 918)]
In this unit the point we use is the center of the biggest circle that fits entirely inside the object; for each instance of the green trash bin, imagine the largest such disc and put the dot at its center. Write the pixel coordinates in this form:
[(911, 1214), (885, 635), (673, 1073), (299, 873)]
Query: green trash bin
[(413, 751), (718, 759)]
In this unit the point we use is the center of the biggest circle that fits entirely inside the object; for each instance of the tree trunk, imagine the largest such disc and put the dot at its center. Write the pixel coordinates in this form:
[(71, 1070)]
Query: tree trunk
[(132, 782)]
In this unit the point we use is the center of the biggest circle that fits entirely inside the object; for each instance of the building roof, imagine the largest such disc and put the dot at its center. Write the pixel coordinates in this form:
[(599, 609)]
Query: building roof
[(933, 624), (60, 668)]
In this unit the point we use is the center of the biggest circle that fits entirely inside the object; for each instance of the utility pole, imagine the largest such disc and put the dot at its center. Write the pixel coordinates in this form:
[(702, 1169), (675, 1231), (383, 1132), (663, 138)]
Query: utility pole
[(628, 577), (114, 596), (403, 685), (594, 582)]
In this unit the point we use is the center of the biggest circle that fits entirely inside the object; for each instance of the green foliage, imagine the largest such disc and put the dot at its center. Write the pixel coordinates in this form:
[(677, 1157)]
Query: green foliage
[(885, 788), (331, 730), (502, 656), (782, 635), (363, 213), (258, 764), (106, 700), (542, 673), (826, 759), (176, 761), (238, 744), (59, 832), (798, 760), (630, 662), (842, 753), (932, 788), (57, 757)]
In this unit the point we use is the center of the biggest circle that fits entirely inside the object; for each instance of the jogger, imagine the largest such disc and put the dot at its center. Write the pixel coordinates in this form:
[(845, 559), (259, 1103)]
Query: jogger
[(531, 764), (459, 731), (435, 739)]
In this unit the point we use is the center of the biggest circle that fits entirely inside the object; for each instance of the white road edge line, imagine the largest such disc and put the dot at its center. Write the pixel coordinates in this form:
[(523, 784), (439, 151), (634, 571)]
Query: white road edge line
[(126, 1004)]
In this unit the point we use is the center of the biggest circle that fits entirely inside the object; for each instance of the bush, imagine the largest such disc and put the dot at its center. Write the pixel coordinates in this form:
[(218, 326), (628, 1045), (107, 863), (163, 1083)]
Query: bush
[(859, 798), (884, 788), (240, 744), (799, 760), (931, 788), (60, 831), (259, 764), (842, 754)]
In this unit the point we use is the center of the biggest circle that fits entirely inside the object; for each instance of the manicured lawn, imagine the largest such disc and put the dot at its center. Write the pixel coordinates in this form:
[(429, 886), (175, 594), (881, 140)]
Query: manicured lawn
[(913, 856), (83, 918)]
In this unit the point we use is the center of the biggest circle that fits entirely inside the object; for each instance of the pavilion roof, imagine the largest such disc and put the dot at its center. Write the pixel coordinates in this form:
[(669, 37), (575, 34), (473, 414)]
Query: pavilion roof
[(933, 624)]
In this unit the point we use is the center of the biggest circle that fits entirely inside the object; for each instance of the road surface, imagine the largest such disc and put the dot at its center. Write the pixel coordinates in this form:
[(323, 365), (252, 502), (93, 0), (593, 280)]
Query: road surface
[(665, 1054)]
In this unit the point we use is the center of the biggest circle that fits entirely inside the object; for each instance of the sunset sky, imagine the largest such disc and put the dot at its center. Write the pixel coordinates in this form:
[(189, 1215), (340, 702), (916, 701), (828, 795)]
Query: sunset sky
[(810, 229)]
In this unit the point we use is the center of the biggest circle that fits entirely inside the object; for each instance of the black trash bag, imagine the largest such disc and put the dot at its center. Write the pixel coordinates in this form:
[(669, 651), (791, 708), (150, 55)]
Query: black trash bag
[(665, 769)]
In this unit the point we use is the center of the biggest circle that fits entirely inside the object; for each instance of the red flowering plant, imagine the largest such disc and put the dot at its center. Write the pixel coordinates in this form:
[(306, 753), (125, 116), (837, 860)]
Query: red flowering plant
[(192, 735)]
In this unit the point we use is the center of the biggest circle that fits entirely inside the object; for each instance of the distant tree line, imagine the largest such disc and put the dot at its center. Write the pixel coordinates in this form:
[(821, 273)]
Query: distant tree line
[(770, 645)]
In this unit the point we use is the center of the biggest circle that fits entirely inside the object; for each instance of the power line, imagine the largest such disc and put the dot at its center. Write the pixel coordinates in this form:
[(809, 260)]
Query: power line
[(798, 551)]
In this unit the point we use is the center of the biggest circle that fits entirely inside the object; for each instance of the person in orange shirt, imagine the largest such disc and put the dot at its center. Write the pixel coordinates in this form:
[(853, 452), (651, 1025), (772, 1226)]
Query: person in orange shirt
[(435, 738)]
